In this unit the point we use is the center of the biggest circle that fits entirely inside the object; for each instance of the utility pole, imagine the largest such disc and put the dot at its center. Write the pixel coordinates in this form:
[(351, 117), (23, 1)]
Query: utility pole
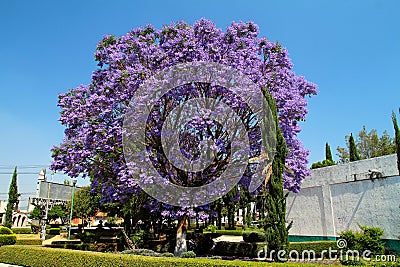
[(74, 181), (44, 220)]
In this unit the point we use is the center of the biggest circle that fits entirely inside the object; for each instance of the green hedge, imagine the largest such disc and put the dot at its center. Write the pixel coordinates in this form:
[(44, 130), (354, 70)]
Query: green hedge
[(29, 242), (316, 246), (188, 254), (22, 230), (8, 239), (254, 236), (240, 249), (50, 257), (5, 230)]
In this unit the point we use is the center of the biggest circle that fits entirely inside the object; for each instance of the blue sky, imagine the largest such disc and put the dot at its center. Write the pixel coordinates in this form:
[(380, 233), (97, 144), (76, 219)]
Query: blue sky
[(350, 49)]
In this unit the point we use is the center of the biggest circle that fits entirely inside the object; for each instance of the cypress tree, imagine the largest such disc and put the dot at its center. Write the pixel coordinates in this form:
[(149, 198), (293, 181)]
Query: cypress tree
[(353, 149), (274, 223), (12, 204), (397, 139), (328, 153)]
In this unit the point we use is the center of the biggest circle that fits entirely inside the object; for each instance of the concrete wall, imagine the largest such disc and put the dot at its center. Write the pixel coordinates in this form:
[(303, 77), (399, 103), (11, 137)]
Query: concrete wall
[(336, 198), (3, 205)]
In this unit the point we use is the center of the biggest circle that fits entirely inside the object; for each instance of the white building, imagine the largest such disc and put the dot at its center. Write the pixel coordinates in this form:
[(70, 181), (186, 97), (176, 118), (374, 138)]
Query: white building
[(337, 198)]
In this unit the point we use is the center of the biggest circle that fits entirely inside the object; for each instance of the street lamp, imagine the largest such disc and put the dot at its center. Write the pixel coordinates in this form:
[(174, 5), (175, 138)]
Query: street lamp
[(72, 206)]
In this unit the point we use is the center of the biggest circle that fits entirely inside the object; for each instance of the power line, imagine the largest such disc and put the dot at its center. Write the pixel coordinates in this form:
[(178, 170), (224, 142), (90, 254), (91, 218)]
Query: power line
[(19, 173), (23, 166), (25, 193)]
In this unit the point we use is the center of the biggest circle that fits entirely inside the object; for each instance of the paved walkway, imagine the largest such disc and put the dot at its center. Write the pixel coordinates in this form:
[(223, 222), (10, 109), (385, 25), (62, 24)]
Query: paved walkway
[(229, 238), (8, 265), (56, 238)]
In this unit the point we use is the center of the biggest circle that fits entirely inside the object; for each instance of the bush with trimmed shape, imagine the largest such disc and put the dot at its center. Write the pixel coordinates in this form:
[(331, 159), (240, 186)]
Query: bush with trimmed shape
[(21, 230), (253, 236), (167, 254), (188, 254), (29, 242), (240, 249), (5, 230), (7, 237), (319, 247)]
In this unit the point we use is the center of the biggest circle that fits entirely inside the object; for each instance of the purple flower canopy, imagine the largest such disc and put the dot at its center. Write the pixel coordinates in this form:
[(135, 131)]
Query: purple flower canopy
[(93, 114)]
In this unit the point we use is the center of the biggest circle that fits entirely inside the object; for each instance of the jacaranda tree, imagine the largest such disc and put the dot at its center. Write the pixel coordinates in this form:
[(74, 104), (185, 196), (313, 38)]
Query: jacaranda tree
[(93, 113)]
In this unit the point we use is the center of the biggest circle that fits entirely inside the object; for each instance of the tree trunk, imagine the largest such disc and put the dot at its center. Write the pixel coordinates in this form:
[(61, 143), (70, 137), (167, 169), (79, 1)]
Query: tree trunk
[(219, 214), (229, 218), (127, 224), (180, 246)]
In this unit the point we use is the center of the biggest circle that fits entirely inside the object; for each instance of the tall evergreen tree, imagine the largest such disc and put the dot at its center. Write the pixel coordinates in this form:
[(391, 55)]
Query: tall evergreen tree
[(397, 139), (353, 149), (274, 222), (328, 153), (13, 196)]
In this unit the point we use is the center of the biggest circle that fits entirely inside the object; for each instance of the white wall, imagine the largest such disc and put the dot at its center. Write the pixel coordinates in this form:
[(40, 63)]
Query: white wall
[(338, 197)]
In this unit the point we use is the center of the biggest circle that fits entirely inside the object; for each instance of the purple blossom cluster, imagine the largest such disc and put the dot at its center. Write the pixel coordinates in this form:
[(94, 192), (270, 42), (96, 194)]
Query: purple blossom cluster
[(93, 114)]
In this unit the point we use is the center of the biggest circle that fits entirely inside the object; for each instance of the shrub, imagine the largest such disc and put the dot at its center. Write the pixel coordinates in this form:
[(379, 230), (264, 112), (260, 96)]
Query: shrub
[(352, 238), (5, 230), (147, 252), (29, 242), (351, 262), (22, 230), (88, 237), (138, 238), (201, 244), (211, 228), (188, 254), (8, 239), (316, 246), (142, 252), (253, 236), (369, 238), (240, 249), (167, 254)]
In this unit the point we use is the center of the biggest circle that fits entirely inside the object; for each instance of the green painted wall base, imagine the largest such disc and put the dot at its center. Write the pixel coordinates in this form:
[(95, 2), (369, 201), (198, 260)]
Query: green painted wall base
[(303, 238), (390, 244)]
